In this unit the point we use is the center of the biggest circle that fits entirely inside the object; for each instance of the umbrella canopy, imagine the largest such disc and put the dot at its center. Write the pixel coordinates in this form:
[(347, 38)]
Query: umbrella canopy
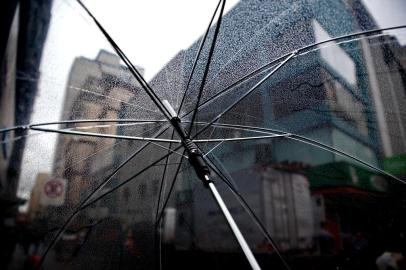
[(119, 119)]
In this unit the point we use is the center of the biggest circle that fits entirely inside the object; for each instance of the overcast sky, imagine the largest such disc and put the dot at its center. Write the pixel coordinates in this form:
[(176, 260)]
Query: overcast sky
[(389, 13)]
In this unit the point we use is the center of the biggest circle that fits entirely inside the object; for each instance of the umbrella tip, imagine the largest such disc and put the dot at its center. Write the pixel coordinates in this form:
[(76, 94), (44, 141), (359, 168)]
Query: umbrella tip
[(169, 108)]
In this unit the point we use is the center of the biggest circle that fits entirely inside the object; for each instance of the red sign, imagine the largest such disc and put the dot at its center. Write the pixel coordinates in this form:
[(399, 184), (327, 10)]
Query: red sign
[(53, 192), (53, 188)]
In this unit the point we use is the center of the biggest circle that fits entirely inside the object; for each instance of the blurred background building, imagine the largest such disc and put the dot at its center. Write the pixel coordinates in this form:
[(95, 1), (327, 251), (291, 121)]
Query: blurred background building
[(103, 103)]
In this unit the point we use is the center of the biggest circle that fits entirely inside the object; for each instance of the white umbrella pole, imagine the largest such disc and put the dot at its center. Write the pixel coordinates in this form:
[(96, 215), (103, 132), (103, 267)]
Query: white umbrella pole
[(203, 172), (237, 233)]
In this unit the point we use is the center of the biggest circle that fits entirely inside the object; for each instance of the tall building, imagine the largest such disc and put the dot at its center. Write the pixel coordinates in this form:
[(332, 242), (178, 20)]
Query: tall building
[(97, 89), (328, 95)]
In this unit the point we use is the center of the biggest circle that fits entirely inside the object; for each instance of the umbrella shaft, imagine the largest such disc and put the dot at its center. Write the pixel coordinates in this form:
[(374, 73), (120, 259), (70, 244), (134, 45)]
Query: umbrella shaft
[(194, 154), (240, 238), (199, 164)]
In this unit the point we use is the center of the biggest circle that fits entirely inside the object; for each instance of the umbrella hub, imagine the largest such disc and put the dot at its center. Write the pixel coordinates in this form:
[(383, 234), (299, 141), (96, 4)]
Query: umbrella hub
[(195, 155)]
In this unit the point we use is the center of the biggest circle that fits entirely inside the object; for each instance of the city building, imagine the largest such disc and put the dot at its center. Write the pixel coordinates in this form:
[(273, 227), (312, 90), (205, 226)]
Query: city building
[(97, 89), (329, 95)]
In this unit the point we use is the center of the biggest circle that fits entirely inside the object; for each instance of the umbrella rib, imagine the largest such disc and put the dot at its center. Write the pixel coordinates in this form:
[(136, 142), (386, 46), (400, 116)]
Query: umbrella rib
[(249, 210), (27, 127), (87, 157), (108, 125), (237, 127), (300, 50), (163, 178), (158, 219), (100, 135), (197, 56), (220, 93), (243, 138), (146, 121), (150, 92), (320, 145), (14, 139), (22, 127), (247, 93), (109, 97), (159, 200), (88, 197), (169, 149), (3, 130), (206, 70), (342, 153), (211, 150), (172, 163), (244, 46), (53, 81), (152, 140)]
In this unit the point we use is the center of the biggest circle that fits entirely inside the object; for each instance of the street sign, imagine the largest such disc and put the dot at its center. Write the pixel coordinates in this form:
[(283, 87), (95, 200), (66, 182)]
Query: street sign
[(53, 192)]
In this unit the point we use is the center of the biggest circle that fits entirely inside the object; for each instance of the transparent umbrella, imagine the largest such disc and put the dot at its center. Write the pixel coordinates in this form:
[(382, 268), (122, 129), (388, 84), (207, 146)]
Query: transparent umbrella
[(272, 137)]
